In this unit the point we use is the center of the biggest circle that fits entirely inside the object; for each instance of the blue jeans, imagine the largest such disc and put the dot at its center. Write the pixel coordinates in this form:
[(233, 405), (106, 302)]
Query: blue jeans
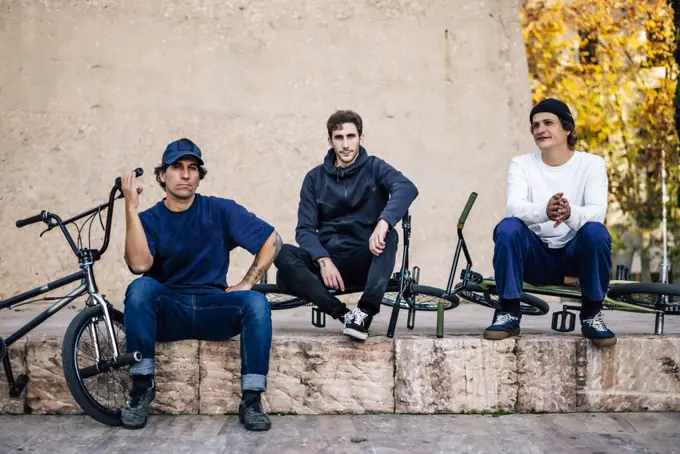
[(520, 256), (154, 312)]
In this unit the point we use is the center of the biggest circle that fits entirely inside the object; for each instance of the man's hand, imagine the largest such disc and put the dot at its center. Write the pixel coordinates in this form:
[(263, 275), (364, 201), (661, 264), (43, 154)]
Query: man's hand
[(376, 243), (330, 274), (130, 190), (243, 285), (563, 211), (552, 210)]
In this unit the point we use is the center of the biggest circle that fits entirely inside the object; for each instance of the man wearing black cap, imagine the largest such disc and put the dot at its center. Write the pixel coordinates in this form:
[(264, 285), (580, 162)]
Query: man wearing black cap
[(181, 246), (556, 205)]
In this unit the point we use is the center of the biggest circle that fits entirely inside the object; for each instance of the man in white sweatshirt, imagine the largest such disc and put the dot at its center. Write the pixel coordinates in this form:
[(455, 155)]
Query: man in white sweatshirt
[(556, 205)]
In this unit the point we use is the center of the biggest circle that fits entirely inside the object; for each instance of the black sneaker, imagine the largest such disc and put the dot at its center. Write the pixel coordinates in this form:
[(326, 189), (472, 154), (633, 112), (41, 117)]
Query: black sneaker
[(505, 325), (595, 330), (356, 324), (253, 417), (136, 411)]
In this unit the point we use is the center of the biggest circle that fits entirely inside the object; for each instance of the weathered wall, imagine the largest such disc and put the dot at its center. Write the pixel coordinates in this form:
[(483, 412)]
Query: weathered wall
[(89, 89)]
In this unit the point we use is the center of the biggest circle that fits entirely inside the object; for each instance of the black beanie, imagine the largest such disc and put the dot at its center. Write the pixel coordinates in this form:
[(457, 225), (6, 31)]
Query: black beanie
[(552, 106)]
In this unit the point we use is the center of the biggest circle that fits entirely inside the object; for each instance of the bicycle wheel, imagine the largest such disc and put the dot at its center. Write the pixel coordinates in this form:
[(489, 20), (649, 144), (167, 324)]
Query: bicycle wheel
[(648, 295), (279, 300), (423, 297), (529, 304), (103, 395)]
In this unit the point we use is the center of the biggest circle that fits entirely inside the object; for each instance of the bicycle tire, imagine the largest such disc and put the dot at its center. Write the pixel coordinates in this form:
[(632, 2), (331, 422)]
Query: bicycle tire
[(647, 294), (279, 300), (70, 362), (429, 304), (529, 304)]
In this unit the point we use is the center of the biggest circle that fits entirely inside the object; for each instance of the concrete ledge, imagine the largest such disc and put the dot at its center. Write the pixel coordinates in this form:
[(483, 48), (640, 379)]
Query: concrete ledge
[(333, 375)]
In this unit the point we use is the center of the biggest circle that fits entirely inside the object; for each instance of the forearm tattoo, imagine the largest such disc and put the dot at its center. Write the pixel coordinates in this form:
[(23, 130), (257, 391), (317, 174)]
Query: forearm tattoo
[(278, 244), (255, 272)]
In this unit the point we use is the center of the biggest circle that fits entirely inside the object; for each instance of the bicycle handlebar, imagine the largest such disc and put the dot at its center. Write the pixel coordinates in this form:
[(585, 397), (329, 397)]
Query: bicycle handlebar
[(45, 216), (31, 220), (466, 210), (138, 173)]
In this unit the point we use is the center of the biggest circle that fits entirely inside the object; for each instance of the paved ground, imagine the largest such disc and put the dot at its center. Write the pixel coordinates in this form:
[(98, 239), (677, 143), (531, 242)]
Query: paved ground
[(465, 319), (526, 434)]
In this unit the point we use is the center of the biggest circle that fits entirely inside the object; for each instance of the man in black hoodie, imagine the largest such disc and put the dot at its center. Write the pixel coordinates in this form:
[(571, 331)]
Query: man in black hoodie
[(348, 208)]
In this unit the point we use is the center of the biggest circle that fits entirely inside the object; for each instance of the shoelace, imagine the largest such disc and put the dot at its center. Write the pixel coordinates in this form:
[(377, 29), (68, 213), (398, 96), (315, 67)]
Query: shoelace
[(136, 394), (504, 318), (359, 316), (597, 322), (255, 409)]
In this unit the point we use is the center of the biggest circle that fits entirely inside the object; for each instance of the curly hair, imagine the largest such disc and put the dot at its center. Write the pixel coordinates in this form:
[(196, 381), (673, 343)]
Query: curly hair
[(344, 116), (202, 172)]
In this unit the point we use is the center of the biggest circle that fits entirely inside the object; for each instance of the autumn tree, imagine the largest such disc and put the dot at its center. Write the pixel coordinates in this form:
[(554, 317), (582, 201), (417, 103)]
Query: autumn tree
[(613, 62)]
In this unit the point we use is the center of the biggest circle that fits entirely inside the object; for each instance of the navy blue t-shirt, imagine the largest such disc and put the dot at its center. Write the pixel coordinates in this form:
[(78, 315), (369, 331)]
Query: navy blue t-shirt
[(190, 249)]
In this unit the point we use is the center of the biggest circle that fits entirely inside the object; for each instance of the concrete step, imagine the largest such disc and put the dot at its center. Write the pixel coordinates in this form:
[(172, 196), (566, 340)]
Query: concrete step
[(415, 374)]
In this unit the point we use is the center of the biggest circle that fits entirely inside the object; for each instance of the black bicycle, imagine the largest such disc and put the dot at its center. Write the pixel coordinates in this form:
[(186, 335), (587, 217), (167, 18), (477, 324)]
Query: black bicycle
[(405, 292), (95, 365)]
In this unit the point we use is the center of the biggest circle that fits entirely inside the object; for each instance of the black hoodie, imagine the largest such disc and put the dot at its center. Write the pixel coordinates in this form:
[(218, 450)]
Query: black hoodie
[(340, 207)]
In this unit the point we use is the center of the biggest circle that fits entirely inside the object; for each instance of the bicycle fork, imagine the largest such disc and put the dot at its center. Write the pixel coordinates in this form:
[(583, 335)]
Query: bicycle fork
[(116, 360)]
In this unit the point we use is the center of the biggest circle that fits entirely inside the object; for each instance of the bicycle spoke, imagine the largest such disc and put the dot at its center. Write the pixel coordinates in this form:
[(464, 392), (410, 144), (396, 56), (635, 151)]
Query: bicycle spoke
[(108, 389)]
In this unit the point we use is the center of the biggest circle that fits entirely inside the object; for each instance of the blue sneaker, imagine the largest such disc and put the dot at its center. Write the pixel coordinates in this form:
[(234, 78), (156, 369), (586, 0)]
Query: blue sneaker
[(595, 330), (505, 325)]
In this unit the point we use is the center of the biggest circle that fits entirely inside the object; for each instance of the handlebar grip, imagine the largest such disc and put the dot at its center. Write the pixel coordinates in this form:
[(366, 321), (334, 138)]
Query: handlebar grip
[(138, 173), (32, 220), (466, 210)]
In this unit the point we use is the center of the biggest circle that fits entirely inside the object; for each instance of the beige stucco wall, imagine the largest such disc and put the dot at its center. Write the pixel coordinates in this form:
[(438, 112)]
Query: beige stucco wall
[(91, 88)]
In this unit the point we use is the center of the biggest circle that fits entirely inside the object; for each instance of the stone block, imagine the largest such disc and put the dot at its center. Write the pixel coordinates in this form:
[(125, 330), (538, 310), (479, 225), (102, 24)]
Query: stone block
[(308, 375), (177, 378), (454, 375)]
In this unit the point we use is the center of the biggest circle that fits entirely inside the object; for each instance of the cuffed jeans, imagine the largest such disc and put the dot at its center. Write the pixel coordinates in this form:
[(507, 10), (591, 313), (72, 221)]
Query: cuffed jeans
[(520, 256), (154, 312)]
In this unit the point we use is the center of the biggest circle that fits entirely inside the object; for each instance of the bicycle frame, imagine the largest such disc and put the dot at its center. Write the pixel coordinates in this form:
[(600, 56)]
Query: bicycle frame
[(405, 279), (565, 291), (87, 286), (86, 257)]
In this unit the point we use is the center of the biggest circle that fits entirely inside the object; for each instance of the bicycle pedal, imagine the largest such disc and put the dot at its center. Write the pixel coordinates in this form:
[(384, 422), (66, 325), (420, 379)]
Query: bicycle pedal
[(19, 385), (318, 317), (471, 276), (411, 318), (563, 321)]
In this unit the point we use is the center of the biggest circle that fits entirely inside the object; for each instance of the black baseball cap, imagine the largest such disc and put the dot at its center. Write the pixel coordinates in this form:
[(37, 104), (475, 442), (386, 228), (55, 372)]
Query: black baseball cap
[(180, 148)]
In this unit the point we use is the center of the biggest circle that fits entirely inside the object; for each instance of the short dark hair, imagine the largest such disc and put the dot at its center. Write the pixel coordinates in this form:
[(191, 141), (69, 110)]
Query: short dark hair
[(567, 125), (344, 116), (202, 172)]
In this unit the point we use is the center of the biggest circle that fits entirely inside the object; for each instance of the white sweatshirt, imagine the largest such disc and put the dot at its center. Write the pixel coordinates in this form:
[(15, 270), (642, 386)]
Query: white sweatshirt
[(531, 183)]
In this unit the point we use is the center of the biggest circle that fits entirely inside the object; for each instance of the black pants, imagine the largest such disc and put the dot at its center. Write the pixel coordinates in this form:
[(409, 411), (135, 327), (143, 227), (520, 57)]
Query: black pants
[(300, 275)]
